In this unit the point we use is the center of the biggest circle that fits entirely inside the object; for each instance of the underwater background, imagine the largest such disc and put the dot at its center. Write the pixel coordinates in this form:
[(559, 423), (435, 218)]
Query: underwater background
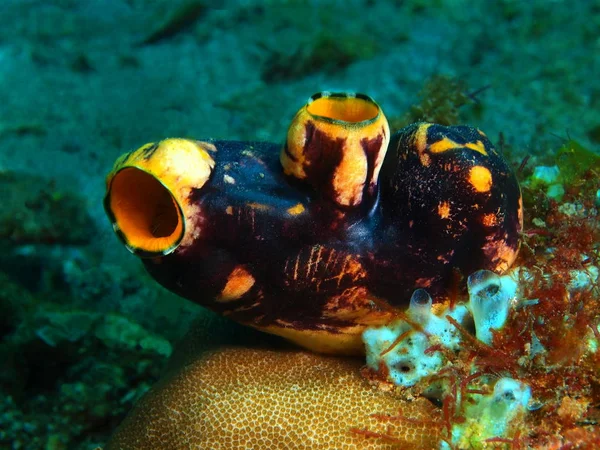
[(84, 331)]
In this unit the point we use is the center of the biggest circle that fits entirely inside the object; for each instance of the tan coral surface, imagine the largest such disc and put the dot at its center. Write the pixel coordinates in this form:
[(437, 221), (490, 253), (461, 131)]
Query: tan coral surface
[(256, 398)]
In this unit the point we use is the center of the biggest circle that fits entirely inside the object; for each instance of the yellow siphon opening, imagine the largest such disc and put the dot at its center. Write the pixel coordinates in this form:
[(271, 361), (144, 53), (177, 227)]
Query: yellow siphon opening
[(145, 212), (344, 108)]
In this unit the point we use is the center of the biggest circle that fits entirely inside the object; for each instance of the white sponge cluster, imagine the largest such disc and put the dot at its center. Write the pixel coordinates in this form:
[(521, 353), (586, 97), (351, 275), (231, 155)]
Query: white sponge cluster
[(490, 298), (492, 415), (402, 345), (417, 345), (412, 347)]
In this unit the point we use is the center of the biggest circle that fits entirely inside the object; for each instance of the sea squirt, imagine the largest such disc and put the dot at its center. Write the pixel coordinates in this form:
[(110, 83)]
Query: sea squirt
[(329, 234)]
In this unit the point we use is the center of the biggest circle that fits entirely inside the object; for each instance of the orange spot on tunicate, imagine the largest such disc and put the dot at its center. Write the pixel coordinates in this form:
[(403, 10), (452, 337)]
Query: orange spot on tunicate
[(259, 206), (420, 142), (443, 145), (444, 210), (298, 208), (480, 178), (238, 283), (489, 220), (477, 146)]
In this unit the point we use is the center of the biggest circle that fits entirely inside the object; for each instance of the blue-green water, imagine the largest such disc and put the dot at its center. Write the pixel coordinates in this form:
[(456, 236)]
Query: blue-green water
[(84, 331)]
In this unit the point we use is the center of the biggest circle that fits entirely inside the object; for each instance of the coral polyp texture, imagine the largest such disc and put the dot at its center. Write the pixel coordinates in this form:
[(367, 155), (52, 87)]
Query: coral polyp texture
[(403, 248), (236, 397)]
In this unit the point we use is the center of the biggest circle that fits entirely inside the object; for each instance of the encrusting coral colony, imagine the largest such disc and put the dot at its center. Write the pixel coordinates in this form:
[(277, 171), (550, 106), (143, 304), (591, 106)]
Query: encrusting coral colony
[(356, 241)]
